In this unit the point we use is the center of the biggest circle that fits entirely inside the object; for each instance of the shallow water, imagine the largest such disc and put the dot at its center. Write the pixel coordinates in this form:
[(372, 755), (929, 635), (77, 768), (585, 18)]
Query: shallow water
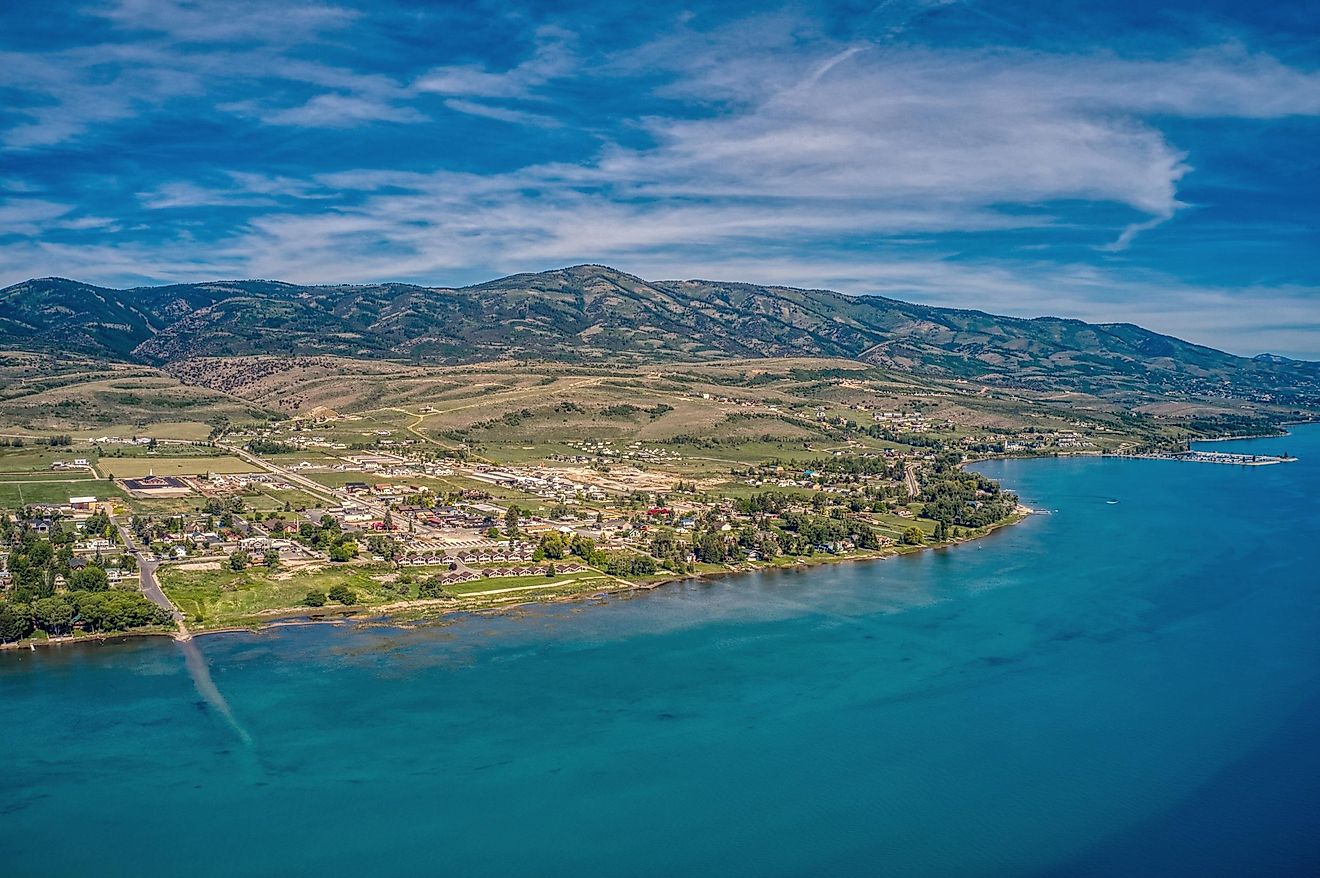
[(1127, 688)]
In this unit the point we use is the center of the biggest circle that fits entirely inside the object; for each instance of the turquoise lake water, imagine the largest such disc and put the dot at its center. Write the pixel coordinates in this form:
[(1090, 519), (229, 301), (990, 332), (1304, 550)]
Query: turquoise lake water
[(1115, 688)]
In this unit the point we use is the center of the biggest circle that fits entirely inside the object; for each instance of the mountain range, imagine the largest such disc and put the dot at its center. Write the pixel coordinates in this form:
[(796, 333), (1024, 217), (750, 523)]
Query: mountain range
[(596, 314)]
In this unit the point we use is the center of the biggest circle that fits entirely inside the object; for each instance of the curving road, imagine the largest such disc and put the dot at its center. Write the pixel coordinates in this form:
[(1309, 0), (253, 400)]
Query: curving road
[(910, 480), (147, 581)]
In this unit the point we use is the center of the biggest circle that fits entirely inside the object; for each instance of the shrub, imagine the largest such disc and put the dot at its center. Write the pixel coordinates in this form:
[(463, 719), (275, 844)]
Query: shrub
[(431, 588), (314, 599), (343, 594)]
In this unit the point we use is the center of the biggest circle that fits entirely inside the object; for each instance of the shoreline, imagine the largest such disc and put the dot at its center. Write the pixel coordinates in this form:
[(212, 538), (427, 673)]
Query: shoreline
[(396, 615)]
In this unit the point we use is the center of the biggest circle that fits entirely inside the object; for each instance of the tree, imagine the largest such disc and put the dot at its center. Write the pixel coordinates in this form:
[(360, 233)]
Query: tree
[(314, 599), (343, 594), (15, 621), (344, 551), (53, 615), (550, 570), (117, 610), (511, 522), (90, 578), (913, 536), (552, 544), (941, 532), (271, 559), (432, 587), (238, 560)]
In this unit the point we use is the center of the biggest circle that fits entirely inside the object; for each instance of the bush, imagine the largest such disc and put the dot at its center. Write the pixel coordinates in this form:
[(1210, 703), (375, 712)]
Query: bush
[(343, 594), (431, 588), (314, 599)]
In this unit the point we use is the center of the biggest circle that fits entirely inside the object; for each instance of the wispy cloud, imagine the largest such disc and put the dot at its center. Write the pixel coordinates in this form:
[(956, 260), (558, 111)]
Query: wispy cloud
[(502, 114), (477, 90), (218, 21)]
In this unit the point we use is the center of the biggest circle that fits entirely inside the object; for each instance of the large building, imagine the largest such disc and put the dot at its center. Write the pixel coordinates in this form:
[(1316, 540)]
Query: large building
[(156, 486)]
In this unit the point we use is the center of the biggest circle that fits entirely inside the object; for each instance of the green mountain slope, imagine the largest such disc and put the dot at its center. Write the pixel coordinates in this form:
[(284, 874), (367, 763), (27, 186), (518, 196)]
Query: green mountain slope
[(596, 314)]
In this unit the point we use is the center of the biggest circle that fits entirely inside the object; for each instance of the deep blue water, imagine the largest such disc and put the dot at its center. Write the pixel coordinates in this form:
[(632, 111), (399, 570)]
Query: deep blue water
[(1127, 688)]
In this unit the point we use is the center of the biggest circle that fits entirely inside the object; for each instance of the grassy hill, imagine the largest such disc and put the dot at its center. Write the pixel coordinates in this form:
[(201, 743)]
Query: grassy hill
[(594, 314)]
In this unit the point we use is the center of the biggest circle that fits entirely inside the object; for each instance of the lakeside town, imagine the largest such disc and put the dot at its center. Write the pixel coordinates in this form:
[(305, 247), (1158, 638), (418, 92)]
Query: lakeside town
[(268, 527), (377, 513)]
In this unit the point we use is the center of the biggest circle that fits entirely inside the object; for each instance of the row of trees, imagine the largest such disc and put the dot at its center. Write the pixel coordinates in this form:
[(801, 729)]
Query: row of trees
[(99, 611)]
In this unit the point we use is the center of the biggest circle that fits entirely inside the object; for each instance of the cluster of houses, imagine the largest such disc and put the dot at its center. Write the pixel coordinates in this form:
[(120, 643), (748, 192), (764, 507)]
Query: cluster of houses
[(429, 555), (908, 422), (517, 552), (595, 448), (232, 483), (547, 484), (454, 576)]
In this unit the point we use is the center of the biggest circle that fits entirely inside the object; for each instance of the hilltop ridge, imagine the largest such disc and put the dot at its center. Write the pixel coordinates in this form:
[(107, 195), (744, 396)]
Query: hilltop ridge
[(594, 313)]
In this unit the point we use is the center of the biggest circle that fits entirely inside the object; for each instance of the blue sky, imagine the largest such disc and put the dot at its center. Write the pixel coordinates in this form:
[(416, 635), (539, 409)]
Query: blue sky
[(1115, 161)]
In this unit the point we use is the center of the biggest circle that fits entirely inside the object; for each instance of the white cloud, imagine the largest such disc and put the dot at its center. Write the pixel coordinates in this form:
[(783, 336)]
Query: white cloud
[(552, 58), (502, 114), (28, 216), (341, 111), (478, 91), (211, 21)]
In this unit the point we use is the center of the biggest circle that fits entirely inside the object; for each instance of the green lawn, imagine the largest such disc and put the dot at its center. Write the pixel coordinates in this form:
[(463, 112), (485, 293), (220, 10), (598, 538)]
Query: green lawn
[(559, 580), (16, 494), (224, 595), (48, 475)]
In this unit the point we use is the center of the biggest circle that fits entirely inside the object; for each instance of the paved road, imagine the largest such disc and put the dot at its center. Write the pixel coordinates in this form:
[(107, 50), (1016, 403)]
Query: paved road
[(148, 583), (910, 480)]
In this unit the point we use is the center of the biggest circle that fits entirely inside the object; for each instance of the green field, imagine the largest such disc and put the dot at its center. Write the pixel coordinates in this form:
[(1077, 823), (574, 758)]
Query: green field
[(14, 494), (138, 467), (225, 595)]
